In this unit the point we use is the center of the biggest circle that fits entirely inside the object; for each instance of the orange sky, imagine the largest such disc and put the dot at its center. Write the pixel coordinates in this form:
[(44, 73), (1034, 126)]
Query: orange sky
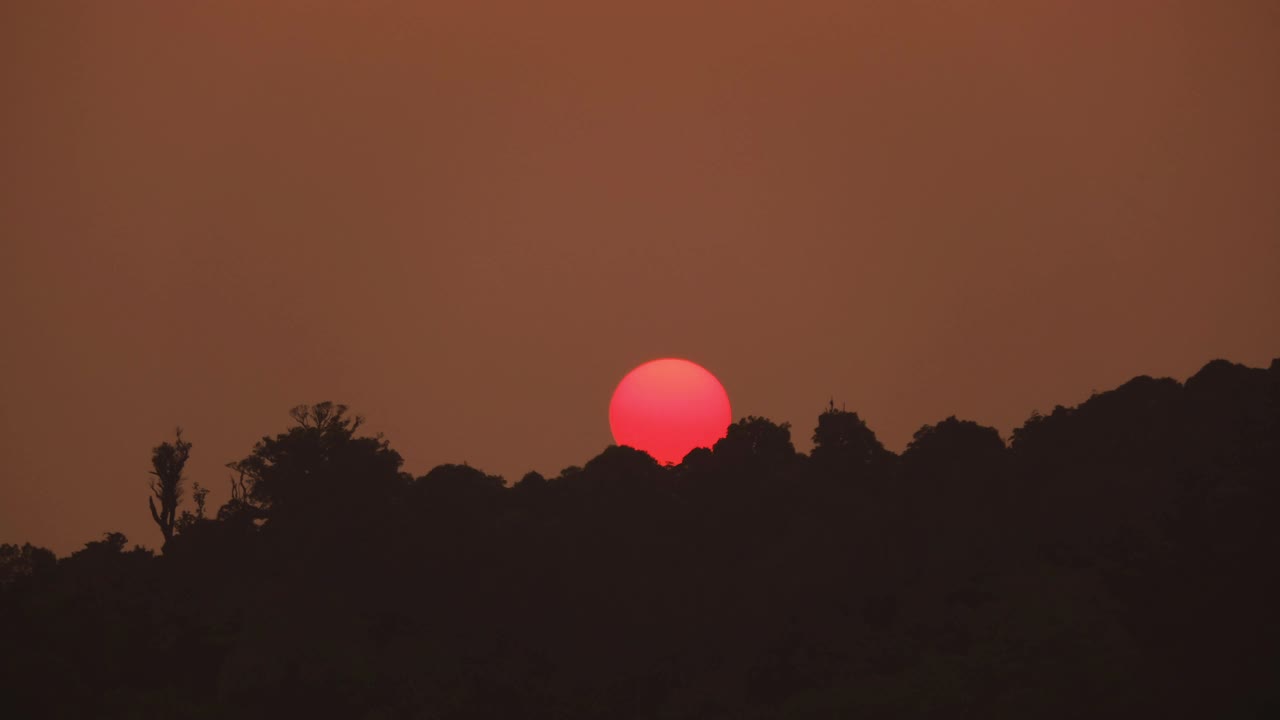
[(468, 222)]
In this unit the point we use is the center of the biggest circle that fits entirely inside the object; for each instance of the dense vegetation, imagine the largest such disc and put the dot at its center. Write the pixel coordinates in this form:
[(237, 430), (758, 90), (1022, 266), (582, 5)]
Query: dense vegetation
[(1118, 558)]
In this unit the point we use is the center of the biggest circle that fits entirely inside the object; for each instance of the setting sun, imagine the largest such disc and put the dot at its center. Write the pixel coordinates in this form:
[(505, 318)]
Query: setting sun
[(668, 407)]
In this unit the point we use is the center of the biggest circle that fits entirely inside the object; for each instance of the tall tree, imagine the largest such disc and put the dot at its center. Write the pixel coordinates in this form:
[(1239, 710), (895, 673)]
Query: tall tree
[(167, 461)]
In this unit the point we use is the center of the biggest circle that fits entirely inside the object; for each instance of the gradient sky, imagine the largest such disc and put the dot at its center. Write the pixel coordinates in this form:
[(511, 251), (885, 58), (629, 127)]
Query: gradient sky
[(469, 221)]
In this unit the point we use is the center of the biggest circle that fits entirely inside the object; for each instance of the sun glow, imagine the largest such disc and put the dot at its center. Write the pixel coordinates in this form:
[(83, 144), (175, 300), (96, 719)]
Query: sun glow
[(668, 407)]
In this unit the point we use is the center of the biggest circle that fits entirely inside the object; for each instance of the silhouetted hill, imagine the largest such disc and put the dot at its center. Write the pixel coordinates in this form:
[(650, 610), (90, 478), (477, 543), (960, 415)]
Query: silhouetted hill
[(1117, 558)]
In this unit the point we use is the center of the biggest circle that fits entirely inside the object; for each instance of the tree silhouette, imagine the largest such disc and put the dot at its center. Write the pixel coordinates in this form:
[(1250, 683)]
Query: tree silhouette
[(459, 481), (168, 461), (755, 446), (622, 466), (319, 467), (532, 480), (18, 563), (844, 446), (955, 448)]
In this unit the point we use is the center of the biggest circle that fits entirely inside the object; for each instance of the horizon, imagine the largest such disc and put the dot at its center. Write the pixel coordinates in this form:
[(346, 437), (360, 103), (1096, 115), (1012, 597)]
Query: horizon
[(800, 438), (469, 221)]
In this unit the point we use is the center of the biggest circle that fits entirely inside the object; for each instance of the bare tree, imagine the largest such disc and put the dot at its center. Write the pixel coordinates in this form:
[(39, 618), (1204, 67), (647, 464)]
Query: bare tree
[(168, 460)]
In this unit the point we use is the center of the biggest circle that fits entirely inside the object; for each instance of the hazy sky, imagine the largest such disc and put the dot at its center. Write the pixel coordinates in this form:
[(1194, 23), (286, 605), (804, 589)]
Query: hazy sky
[(468, 221)]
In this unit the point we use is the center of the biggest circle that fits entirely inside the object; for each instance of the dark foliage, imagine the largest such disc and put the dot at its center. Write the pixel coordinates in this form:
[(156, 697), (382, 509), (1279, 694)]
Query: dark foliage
[(843, 446), (1117, 558)]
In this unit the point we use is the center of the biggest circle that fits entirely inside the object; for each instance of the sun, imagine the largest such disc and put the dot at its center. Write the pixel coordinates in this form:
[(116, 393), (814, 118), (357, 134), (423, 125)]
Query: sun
[(668, 407)]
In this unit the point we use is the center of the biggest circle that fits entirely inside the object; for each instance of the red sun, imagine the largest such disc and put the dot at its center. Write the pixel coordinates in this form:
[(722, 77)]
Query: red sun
[(668, 407)]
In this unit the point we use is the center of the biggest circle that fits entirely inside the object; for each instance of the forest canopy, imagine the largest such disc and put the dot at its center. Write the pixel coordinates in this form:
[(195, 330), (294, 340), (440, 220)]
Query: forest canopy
[(1116, 557)]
